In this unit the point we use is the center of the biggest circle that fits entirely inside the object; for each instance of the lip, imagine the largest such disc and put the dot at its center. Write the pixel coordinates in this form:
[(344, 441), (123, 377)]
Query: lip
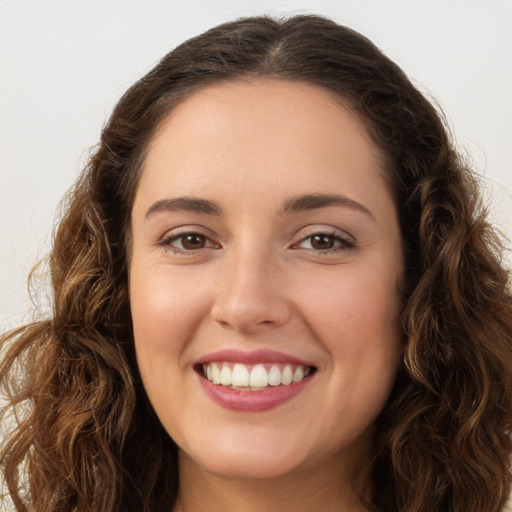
[(254, 357), (252, 401)]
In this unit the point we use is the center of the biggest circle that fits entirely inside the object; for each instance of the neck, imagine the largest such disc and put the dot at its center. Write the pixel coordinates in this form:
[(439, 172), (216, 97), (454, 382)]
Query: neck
[(329, 489)]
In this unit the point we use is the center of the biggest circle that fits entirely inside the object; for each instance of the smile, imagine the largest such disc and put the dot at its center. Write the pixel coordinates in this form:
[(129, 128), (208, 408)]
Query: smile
[(253, 381), (254, 377)]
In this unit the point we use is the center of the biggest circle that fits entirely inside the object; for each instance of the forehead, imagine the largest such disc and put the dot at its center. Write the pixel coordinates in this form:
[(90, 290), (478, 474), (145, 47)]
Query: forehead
[(261, 135), (258, 103)]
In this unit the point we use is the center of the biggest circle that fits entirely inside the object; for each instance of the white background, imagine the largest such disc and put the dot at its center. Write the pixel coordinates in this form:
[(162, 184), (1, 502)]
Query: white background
[(64, 64)]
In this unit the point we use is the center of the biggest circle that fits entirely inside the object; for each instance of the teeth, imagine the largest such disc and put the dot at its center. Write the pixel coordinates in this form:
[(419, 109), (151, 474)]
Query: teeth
[(274, 376), (215, 374), (225, 376), (254, 377), (259, 377), (287, 375), (240, 376), (298, 374)]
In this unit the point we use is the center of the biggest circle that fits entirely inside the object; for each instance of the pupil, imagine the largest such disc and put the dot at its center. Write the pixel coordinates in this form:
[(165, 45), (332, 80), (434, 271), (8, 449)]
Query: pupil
[(322, 242), (193, 242)]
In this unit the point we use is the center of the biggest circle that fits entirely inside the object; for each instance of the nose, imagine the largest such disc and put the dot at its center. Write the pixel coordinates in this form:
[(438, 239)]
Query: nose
[(250, 296)]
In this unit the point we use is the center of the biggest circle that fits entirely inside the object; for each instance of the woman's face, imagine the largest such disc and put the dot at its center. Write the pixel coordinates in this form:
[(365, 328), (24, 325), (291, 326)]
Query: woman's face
[(266, 262)]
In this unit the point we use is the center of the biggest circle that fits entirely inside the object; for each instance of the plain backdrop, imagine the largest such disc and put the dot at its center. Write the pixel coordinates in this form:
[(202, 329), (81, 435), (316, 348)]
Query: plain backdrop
[(64, 64)]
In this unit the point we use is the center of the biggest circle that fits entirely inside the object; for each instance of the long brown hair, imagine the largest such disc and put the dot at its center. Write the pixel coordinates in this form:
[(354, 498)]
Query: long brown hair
[(85, 436)]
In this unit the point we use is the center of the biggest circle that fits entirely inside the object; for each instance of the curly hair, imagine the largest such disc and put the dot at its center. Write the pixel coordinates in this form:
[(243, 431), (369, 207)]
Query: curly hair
[(85, 437)]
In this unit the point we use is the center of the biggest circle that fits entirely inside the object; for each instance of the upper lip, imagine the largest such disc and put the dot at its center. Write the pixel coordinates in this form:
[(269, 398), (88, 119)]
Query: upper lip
[(253, 357)]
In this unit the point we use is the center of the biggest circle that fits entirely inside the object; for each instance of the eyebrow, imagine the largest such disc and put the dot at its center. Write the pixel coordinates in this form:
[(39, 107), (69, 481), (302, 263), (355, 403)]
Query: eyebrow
[(314, 201), (188, 204), (295, 204)]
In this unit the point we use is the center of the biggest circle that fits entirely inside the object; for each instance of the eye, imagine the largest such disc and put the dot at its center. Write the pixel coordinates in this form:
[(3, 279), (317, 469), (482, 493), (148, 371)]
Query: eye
[(192, 241), (187, 242), (325, 243)]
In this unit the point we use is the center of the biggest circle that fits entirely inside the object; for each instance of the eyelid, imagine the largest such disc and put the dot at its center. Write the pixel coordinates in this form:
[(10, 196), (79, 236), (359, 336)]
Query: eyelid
[(182, 231), (347, 240), (324, 229)]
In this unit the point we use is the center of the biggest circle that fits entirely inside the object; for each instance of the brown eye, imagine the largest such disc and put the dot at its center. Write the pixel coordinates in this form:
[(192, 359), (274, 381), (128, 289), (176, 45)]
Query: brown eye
[(188, 243), (322, 242), (193, 241)]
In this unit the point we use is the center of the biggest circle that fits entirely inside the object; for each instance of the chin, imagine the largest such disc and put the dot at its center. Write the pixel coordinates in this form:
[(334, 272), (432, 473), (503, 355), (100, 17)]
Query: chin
[(262, 467), (246, 459)]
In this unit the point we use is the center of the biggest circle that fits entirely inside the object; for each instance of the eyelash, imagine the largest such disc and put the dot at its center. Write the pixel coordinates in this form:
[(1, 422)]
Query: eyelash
[(167, 242), (344, 243)]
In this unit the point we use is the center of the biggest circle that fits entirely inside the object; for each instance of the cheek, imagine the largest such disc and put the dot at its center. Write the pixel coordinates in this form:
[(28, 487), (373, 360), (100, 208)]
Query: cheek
[(357, 320), (353, 305), (166, 309), (166, 313)]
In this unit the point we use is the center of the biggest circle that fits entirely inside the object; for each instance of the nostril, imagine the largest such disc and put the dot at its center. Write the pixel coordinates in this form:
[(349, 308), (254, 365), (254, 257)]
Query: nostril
[(244, 304)]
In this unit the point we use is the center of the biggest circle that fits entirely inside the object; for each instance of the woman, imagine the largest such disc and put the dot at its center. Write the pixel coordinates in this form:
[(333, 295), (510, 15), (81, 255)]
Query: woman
[(275, 289)]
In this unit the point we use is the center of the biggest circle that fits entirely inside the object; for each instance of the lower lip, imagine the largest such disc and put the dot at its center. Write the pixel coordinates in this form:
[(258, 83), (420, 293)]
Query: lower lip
[(252, 401)]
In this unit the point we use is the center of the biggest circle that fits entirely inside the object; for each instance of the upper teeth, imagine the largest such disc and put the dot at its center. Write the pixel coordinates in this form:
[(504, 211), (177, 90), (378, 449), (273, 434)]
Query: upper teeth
[(243, 376)]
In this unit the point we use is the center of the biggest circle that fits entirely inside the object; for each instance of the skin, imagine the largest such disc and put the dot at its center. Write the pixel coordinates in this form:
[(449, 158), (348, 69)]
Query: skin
[(255, 279)]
